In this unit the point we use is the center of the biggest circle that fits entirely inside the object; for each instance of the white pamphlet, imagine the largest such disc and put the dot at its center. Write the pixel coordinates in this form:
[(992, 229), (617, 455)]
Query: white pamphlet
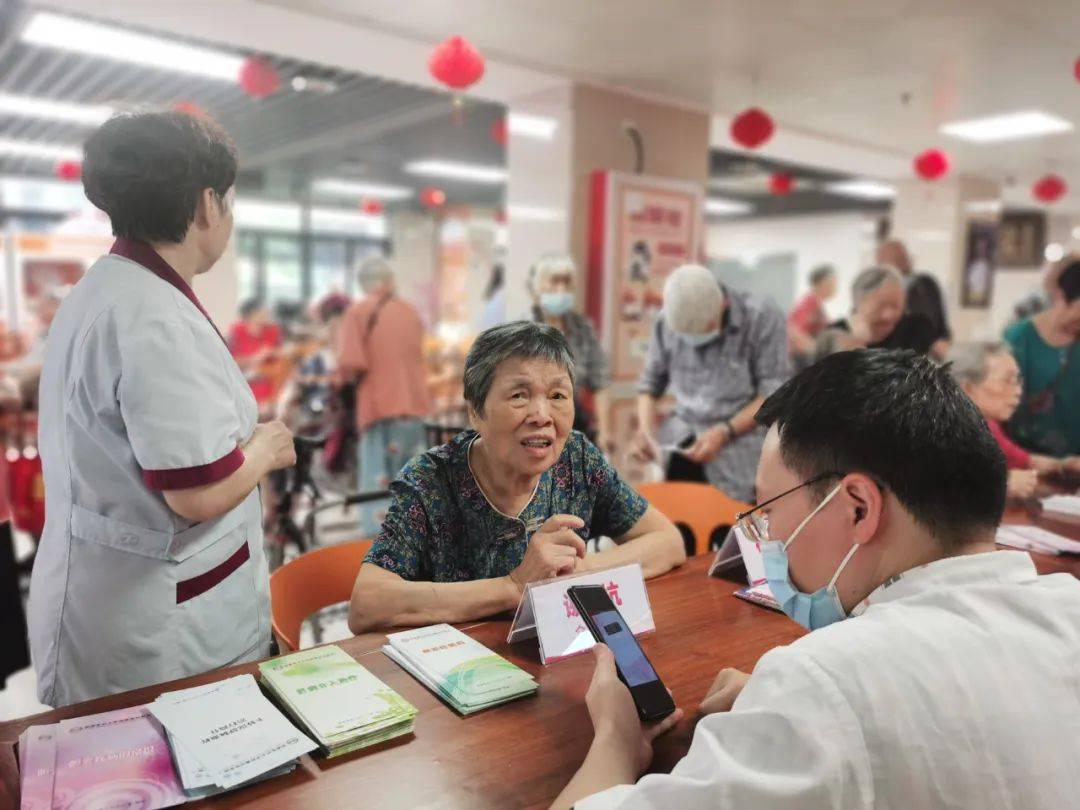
[(233, 731)]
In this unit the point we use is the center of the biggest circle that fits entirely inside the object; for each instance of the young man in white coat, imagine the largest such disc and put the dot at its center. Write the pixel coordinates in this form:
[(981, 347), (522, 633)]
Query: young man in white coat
[(940, 672)]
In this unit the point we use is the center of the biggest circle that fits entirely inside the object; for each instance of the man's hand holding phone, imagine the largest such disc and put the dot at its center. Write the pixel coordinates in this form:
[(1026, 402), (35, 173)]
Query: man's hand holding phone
[(615, 717)]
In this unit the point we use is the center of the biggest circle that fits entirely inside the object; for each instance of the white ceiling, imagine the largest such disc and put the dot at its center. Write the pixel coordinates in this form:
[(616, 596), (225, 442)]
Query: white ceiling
[(835, 68)]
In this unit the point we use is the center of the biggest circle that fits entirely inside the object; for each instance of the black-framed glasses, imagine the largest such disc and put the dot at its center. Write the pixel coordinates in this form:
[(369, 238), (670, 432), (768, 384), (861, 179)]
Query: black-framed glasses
[(755, 524)]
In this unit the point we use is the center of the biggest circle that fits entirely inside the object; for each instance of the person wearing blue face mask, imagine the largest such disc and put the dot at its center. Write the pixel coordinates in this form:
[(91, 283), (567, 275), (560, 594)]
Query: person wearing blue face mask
[(940, 672), (720, 351), (552, 282)]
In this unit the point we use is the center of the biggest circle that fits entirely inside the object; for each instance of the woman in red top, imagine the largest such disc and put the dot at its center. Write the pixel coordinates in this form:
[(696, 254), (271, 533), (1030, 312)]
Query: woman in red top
[(253, 340), (991, 377)]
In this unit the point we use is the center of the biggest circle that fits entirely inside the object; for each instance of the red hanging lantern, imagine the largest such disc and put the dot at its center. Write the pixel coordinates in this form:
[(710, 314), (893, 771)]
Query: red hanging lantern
[(432, 197), (189, 108), (1049, 189), (372, 207), (933, 164), (751, 128), (68, 170), (781, 183), (456, 63), (258, 78), (499, 132)]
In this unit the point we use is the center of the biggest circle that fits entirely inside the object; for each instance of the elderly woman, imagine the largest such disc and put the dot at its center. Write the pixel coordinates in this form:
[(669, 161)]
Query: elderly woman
[(510, 502), (878, 320), (988, 373), (1046, 349), (552, 282)]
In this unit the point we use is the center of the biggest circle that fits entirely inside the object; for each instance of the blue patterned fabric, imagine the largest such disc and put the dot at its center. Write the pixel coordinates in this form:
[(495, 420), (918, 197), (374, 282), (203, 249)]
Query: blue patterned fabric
[(441, 528)]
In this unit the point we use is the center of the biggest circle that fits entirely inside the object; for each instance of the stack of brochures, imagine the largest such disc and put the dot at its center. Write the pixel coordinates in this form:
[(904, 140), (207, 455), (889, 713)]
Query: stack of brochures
[(458, 669), (336, 700), (115, 759), (1062, 507), (227, 734)]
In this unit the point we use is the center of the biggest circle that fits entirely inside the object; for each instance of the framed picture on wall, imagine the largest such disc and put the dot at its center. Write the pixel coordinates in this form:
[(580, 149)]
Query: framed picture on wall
[(977, 287), (1021, 239)]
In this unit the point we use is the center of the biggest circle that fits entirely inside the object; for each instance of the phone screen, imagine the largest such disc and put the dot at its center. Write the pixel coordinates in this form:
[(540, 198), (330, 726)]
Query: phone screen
[(607, 625), (633, 664)]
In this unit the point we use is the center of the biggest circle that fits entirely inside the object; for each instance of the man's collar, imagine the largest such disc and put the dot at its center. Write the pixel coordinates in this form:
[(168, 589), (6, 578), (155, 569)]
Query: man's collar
[(952, 572)]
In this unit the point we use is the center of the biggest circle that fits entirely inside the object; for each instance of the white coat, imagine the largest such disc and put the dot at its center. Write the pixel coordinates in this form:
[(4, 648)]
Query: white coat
[(956, 687), (139, 394)]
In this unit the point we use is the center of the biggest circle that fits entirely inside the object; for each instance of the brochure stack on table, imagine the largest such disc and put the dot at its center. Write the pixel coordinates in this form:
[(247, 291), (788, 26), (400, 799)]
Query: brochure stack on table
[(461, 671), (115, 759), (227, 734), (336, 700)]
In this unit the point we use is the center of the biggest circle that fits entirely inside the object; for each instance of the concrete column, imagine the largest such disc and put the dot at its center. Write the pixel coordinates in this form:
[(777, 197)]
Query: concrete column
[(539, 189), (932, 220)]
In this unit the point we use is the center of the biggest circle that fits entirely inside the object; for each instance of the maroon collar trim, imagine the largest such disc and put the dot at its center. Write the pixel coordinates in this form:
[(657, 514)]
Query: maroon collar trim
[(142, 254)]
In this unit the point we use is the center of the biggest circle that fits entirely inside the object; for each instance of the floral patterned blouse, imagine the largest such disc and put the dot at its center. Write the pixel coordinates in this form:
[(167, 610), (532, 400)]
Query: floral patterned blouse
[(441, 528)]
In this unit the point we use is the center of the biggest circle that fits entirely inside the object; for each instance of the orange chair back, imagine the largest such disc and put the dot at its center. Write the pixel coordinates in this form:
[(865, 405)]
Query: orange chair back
[(312, 581), (701, 508)]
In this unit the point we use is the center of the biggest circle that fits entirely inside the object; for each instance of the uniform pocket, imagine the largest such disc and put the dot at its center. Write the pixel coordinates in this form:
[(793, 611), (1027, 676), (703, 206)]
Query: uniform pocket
[(217, 607), (189, 601)]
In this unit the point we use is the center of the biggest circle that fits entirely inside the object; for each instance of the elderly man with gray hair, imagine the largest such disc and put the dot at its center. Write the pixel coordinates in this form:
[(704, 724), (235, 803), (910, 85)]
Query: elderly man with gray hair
[(721, 352), (380, 346), (509, 502)]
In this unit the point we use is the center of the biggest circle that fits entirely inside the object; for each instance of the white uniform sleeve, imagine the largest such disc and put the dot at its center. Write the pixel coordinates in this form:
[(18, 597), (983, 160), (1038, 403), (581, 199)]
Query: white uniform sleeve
[(792, 741), (178, 404)]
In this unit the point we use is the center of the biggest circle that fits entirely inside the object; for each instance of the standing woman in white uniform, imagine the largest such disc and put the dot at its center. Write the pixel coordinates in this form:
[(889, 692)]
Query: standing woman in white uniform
[(151, 566)]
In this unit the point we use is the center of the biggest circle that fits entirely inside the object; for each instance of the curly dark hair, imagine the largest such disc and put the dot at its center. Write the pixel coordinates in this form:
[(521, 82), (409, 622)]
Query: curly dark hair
[(147, 171)]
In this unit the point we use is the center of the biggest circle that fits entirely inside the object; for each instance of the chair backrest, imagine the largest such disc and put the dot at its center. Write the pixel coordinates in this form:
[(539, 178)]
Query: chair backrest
[(312, 581), (701, 508)]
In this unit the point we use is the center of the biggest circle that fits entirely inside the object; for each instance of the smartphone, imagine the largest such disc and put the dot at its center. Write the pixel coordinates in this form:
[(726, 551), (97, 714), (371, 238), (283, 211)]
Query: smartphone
[(609, 627)]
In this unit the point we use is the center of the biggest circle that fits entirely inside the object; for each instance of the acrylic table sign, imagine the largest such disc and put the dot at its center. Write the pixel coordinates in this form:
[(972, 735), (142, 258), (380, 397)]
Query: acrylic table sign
[(546, 612)]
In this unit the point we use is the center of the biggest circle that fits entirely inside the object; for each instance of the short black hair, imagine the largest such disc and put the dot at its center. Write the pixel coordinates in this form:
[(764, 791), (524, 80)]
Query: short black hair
[(900, 418), (147, 171), (821, 273), (526, 339), (250, 307), (1069, 281)]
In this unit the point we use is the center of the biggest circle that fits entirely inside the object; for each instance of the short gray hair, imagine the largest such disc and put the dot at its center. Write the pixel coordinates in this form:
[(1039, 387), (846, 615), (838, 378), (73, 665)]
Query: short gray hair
[(821, 273), (967, 361), (548, 264), (692, 299), (372, 271), (521, 339), (873, 278)]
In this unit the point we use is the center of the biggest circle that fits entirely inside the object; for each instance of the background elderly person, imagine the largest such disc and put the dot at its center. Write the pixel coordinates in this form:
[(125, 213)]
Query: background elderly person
[(507, 503), (380, 347), (1045, 347), (878, 320), (552, 283), (988, 373), (807, 318), (721, 352), (922, 294)]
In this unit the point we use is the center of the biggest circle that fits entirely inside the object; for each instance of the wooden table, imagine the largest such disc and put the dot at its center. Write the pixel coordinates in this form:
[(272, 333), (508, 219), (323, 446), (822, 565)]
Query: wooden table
[(520, 754)]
